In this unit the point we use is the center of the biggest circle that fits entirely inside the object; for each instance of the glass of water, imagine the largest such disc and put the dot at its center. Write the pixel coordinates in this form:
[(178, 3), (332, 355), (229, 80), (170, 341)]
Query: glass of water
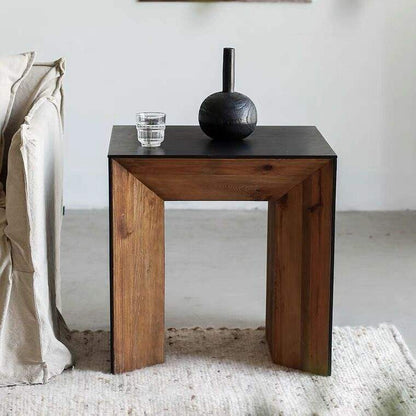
[(151, 128)]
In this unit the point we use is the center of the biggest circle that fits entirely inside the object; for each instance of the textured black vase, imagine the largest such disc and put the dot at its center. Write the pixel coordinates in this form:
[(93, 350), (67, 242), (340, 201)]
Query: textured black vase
[(228, 115)]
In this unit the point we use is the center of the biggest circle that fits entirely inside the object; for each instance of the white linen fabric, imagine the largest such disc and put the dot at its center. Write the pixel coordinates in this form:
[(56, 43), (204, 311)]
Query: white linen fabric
[(24, 98), (31, 328), (12, 71)]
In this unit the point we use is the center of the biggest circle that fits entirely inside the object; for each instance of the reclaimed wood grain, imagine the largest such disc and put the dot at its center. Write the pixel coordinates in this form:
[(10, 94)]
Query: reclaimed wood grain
[(301, 195), (137, 272), (299, 274), (221, 179)]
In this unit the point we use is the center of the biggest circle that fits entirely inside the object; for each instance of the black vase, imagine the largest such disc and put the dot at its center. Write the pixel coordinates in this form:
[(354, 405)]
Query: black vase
[(228, 115)]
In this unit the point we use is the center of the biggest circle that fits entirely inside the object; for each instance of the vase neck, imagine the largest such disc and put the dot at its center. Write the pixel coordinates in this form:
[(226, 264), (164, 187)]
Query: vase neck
[(228, 72)]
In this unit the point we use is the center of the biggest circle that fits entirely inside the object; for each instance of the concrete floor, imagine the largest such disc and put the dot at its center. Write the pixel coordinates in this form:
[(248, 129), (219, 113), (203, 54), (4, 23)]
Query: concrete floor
[(216, 262)]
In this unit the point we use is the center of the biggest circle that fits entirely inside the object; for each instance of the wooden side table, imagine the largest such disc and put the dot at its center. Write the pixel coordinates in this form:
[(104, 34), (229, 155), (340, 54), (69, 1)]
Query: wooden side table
[(293, 168)]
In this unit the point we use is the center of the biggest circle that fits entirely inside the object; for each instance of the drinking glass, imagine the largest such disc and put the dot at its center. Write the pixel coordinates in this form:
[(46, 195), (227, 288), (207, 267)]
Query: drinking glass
[(150, 128)]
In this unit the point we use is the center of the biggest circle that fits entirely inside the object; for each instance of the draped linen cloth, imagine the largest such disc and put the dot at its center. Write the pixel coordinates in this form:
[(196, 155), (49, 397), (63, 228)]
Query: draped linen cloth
[(13, 70), (32, 331)]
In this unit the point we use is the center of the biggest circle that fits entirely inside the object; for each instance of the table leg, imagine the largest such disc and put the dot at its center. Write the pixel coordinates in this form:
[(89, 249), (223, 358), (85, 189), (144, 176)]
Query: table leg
[(300, 274), (137, 272)]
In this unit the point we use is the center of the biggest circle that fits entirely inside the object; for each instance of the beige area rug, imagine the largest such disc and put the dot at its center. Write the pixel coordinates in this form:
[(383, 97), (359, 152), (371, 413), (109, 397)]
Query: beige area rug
[(229, 372)]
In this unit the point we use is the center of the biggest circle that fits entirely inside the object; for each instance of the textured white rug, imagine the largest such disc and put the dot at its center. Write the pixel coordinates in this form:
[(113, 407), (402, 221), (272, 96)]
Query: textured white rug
[(228, 372)]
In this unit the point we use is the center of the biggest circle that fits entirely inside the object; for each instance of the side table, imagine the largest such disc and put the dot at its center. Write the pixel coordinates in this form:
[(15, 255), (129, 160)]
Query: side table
[(293, 168)]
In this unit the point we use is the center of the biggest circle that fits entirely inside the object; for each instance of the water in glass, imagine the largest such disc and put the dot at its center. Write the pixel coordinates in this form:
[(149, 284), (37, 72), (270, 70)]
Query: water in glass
[(151, 128)]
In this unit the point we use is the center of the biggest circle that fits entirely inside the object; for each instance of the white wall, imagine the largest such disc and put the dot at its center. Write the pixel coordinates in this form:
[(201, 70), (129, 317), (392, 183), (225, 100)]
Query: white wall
[(347, 66)]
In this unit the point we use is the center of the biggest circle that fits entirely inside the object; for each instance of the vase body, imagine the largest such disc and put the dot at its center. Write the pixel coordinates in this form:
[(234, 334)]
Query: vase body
[(228, 115)]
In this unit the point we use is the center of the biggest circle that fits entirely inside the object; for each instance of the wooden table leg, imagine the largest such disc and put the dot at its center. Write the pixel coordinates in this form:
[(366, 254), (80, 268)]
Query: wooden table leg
[(300, 274), (137, 272)]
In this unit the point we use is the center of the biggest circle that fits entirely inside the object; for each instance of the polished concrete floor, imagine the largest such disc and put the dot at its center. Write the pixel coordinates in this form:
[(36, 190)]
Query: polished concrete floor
[(215, 269)]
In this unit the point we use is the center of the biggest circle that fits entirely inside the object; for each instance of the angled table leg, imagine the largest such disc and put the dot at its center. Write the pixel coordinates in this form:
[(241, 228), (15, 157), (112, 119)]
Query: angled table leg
[(300, 273), (137, 272)]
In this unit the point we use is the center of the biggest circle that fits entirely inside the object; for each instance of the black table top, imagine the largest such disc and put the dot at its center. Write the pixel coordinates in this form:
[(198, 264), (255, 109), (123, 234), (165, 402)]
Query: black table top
[(190, 141)]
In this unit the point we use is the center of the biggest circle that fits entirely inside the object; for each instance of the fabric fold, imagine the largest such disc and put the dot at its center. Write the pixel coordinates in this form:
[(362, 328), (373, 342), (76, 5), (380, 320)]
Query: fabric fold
[(32, 328)]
